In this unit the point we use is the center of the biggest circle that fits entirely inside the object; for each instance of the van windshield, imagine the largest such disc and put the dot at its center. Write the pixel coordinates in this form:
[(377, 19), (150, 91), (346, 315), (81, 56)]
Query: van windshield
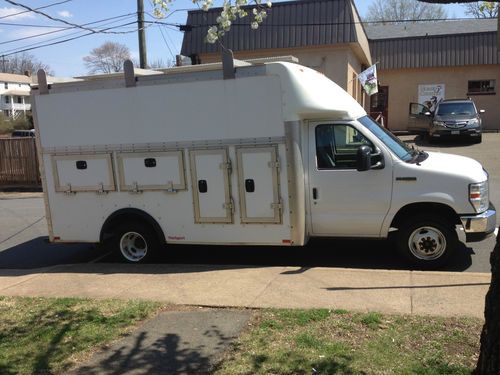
[(397, 146)]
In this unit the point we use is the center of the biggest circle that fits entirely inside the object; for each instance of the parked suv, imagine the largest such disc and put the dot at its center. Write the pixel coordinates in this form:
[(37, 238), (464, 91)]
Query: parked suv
[(452, 118)]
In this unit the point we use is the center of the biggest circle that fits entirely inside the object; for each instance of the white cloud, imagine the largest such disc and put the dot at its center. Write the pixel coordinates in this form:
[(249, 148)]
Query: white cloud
[(65, 14), (7, 13)]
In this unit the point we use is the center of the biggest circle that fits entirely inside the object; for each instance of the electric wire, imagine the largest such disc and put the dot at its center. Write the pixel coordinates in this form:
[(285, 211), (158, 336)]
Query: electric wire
[(3, 54), (61, 20), (65, 29), (27, 11)]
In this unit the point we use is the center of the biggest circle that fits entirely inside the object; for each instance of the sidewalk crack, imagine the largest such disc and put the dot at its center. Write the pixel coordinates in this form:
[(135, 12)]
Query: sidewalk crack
[(266, 286)]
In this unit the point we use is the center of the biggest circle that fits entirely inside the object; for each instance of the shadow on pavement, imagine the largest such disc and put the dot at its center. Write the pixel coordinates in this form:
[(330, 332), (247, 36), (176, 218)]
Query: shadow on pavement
[(161, 357), (188, 342), (424, 141), (361, 254), (38, 253)]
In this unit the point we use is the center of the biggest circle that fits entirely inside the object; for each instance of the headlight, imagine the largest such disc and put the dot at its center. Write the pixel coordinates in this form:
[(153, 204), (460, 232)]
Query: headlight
[(474, 122), (438, 123), (479, 196)]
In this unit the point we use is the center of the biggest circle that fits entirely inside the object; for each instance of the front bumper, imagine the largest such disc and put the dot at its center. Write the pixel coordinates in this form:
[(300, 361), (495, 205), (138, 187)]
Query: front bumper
[(450, 132), (484, 223)]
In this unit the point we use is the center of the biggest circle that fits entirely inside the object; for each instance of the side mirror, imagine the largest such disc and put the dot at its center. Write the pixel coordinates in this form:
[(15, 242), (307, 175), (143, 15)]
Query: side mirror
[(482, 111), (364, 158), (428, 114)]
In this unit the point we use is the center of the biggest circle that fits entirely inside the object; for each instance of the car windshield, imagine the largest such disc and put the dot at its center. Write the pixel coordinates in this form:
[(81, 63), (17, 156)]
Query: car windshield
[(397, 146), (445, 109)]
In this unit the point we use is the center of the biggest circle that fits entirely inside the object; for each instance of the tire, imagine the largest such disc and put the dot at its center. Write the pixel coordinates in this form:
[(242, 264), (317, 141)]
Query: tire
[(136, 242), (427, 241), (477, 140)]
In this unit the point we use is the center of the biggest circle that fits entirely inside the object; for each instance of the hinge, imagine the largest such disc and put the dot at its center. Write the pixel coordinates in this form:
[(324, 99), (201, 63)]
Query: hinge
[(274, 164), (277, 205), (68, 190), (227, 166), (171, 188), (101, 189), (229, 205), (135, 188)]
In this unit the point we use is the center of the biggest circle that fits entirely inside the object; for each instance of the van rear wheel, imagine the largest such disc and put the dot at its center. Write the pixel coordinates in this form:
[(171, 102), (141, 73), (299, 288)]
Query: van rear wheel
[(426, 241), (136, 242)]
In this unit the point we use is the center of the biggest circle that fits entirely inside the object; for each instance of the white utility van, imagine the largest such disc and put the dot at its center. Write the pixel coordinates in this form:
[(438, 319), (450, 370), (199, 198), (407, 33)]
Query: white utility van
[(242, 153)]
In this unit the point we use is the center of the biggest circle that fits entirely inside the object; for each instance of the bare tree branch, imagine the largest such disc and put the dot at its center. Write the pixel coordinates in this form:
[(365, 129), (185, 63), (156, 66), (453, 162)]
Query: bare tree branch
[(108, 58)]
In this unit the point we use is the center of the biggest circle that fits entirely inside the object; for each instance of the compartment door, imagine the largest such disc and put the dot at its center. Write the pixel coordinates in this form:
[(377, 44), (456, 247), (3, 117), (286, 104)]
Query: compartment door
[(211, 191), (74, 173), (258, 172), (151, 171)]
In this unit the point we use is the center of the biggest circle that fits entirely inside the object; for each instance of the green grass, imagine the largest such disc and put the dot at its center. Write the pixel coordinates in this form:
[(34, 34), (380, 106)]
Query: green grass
[(48, 335), (341, 342)]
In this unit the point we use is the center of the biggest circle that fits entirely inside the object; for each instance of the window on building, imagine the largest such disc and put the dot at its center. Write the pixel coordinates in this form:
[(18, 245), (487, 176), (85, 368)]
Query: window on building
[(481, 87), (6, 85), (19, 100), (7, 99)]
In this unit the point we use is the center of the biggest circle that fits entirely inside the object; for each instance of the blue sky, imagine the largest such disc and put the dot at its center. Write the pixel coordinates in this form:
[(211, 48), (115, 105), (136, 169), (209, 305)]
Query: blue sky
[(65, 59)]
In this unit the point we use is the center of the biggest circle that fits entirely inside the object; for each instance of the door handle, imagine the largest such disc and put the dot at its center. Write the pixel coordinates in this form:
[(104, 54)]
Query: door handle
[(315, 193)]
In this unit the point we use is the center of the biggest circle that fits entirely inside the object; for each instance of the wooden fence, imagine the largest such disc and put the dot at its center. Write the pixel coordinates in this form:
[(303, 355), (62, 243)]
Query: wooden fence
[(18, 163)]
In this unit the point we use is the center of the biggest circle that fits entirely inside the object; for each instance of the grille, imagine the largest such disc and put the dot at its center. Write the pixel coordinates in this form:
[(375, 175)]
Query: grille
[(455, 125)]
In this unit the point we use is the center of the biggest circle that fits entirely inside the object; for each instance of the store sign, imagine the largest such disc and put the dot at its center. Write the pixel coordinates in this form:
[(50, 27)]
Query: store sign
[(431, 95)]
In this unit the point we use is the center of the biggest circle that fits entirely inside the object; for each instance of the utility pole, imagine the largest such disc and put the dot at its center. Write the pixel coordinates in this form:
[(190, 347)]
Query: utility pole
[(142, 34)]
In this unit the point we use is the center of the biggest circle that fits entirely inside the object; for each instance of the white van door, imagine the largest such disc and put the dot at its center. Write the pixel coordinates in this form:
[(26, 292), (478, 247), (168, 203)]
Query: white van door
[(344, 201)]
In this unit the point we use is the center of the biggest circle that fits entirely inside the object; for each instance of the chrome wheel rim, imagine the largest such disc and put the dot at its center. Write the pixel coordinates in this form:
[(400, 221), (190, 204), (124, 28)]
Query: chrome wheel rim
[(133, 246), (427, 243)]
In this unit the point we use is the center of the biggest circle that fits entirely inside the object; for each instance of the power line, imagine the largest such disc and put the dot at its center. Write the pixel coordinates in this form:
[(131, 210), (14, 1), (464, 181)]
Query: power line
[(27, 11), (61, 20), (67, 28), (266, 24), (30, 25), (65, 40), (161, 31)]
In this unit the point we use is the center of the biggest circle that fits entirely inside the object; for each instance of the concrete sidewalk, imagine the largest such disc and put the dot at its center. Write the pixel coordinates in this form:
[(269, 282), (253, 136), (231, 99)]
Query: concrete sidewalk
[(402, 292)]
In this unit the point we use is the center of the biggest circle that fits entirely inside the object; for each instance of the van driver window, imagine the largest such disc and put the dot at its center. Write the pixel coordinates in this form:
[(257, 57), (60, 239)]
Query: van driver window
[(337, 146)]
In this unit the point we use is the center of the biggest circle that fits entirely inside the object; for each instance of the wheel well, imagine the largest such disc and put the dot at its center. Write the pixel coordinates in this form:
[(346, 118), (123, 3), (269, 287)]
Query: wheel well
[(129, 215), (425, 208)]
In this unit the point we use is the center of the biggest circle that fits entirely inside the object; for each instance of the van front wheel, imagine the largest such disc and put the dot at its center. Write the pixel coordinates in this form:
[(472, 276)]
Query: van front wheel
[(427, 242)]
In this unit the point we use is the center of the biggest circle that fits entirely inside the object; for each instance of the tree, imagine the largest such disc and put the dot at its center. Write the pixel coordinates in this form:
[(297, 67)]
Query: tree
[(230, 12), (22, 63), (400, 10), (482, 9), (489, 356), (108, 58)]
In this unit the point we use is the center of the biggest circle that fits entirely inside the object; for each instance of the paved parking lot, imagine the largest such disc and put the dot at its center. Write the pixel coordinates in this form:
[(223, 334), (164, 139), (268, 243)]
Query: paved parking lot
[(23, 232)]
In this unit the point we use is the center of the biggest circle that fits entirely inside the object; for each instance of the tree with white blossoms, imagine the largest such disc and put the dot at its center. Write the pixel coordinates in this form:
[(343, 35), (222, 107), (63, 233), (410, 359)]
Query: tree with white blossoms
[(231, 11)]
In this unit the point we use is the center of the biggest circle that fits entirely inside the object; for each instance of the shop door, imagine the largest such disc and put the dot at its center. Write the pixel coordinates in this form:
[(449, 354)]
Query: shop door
[(379, 106)]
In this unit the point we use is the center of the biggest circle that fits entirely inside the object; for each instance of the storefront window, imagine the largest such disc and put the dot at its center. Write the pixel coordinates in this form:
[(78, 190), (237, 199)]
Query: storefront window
[(481, 87)]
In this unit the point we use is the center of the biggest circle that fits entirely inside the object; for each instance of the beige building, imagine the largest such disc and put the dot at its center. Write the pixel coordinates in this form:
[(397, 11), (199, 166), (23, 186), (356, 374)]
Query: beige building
[(453, 59)]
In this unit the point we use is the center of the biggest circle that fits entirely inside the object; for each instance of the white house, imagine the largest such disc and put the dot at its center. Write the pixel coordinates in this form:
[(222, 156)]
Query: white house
[(14, 95)]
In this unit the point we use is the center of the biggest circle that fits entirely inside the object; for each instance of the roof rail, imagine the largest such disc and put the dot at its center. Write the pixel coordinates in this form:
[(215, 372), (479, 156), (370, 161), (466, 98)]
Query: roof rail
[(219, 65)]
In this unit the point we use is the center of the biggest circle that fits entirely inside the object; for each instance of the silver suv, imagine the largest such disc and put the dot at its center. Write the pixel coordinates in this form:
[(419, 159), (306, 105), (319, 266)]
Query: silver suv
[(456, 118), (452, 118)]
